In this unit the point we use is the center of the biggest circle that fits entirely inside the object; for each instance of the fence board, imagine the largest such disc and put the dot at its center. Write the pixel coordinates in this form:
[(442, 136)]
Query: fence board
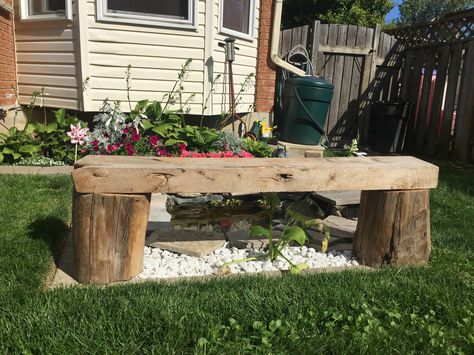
[(424, 100), (440, 84), (464, 118), (450, 100)]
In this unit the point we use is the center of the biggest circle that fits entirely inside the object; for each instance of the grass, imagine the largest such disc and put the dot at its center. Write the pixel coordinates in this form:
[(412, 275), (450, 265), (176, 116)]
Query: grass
[(394, 310)]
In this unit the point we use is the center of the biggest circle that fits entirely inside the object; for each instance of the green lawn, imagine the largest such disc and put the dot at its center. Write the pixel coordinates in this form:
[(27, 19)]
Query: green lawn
[(394, 310)]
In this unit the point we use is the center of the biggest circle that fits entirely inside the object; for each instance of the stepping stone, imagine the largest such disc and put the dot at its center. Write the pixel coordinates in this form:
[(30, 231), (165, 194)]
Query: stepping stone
[(339, 198), (341, 227), (158, 212), (184, 241), (317, 238), (241, 240)]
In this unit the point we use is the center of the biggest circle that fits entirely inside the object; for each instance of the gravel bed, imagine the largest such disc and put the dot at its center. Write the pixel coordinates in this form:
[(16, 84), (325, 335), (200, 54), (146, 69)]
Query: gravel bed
[(160, 263)]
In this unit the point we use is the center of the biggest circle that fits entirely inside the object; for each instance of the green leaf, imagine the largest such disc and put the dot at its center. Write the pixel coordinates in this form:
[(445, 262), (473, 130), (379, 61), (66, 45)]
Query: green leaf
[(154, 110), (272, 199), (147, 124), (8, 151), (296, 269), (1, 157), (294, 233), (141, 105), (259, 231), (35, 127), (60, 116), (162, 129), (51, 127), (12, 131), (173, 141), (29, 149)]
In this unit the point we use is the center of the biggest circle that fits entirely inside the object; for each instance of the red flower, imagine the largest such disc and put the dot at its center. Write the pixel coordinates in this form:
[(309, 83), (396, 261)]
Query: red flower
[(135, 136), (125, 130), (153, 140)]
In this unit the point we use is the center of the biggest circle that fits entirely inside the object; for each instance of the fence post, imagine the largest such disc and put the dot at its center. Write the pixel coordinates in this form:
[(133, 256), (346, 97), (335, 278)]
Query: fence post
[(367, 87), (315, 46)]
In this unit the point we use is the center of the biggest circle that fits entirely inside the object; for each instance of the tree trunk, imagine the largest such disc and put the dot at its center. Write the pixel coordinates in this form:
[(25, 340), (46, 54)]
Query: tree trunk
[(393, 228), (109, 236)]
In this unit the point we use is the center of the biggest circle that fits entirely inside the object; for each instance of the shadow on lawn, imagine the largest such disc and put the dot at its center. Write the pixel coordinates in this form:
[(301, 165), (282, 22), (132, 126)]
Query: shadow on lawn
[(53, 231)]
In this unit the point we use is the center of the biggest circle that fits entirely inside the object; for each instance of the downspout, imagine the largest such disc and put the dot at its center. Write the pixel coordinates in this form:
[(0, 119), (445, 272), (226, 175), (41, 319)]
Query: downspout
[(275, 39)]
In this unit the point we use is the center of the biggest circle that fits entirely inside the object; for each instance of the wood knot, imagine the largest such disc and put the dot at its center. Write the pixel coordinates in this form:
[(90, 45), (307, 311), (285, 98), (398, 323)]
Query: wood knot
[(285, 176)]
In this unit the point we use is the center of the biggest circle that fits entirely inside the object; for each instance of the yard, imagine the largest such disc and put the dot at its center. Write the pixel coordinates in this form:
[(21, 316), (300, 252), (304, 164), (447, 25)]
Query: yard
[(393, 310)]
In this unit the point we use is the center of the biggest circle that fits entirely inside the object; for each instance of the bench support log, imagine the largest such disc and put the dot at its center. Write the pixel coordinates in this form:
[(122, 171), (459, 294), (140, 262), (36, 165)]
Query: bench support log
[(393, 228), (109, 236)]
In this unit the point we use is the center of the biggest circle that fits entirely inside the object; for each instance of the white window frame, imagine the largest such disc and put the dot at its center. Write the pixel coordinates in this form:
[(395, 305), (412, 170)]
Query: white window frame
[(25, 13), (151, 20), (248, 36)]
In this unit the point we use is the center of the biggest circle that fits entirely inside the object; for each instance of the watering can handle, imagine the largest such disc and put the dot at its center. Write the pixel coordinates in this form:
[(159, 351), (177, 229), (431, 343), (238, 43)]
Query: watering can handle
[(310, 116)]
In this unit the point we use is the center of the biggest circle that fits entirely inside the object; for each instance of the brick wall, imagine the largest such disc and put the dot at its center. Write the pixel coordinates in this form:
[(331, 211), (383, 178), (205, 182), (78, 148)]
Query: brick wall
[(7, 56), (266, 73)]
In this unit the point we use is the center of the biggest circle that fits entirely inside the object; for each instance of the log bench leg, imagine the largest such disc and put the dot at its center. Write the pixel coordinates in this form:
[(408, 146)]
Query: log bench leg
[(393, 228), (109, 236)]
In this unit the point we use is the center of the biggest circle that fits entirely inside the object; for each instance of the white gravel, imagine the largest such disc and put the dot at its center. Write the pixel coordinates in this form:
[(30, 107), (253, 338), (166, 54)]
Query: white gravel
[(159, 263)]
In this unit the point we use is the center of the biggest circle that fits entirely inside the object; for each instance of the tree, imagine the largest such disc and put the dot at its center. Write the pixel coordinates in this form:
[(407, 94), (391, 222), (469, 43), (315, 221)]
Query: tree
[(416, 11), (351, 12)]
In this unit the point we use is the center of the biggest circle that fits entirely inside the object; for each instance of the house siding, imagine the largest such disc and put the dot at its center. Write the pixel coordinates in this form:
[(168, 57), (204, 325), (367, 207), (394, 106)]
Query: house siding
[(7, 57), (47, 56), (156, 55), (245, 63)]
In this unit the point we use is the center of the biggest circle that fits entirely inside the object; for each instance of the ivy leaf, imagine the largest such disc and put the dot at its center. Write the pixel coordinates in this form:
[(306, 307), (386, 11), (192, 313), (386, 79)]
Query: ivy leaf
[(147, 124), (141, 105), (296, 269), (259, 231), (51, 127), (35, 127), (294, 233), (29, 149), (162, 129), (154, 110), (60, 116), (173, 141)]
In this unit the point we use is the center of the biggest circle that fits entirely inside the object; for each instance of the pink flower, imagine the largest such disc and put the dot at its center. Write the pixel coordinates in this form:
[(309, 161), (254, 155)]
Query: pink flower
[(125, 130), (162, 152), (135, 136), (184, 154), (246, 154), (77, 134), (153, 140), (182, 147), (228, 154)]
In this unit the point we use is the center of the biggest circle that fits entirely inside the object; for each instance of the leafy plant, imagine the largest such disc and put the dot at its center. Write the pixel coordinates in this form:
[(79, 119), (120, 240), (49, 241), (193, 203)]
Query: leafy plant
[(291, 233), (259, 149)]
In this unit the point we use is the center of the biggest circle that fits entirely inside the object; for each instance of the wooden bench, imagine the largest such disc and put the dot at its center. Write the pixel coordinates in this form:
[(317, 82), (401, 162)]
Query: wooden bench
[(112, 201)]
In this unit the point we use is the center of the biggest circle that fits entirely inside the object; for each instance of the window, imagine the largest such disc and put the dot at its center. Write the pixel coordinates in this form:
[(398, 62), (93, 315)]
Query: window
[(46, 10), (176, 13), (237, 18)]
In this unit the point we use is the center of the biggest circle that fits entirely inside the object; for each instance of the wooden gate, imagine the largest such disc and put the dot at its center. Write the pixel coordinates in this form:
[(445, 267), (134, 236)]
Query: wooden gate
[(362, 63)]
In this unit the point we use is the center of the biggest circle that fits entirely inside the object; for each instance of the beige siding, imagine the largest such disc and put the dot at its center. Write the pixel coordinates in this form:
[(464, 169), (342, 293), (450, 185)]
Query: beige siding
[(244, 64), (156, 55), (50, 55), (47, 56)]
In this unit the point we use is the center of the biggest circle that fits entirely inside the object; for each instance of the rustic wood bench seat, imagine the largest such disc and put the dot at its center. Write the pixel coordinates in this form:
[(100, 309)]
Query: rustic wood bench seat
[(112, 197)]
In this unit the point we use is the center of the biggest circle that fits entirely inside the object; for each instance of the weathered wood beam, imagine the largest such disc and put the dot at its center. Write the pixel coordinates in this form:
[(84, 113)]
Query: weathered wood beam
[(109, 235), (120, 174), (393, 228)]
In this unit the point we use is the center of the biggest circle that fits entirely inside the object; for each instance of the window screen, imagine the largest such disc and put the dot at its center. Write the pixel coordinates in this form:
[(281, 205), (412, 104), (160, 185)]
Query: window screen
[(165, 8), (236, 15), (41, 7)]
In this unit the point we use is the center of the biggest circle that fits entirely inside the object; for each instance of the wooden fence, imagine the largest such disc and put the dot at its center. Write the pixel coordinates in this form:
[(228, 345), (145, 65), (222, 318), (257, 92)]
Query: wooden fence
[(438, 75), (362, 63), (432, 66)]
